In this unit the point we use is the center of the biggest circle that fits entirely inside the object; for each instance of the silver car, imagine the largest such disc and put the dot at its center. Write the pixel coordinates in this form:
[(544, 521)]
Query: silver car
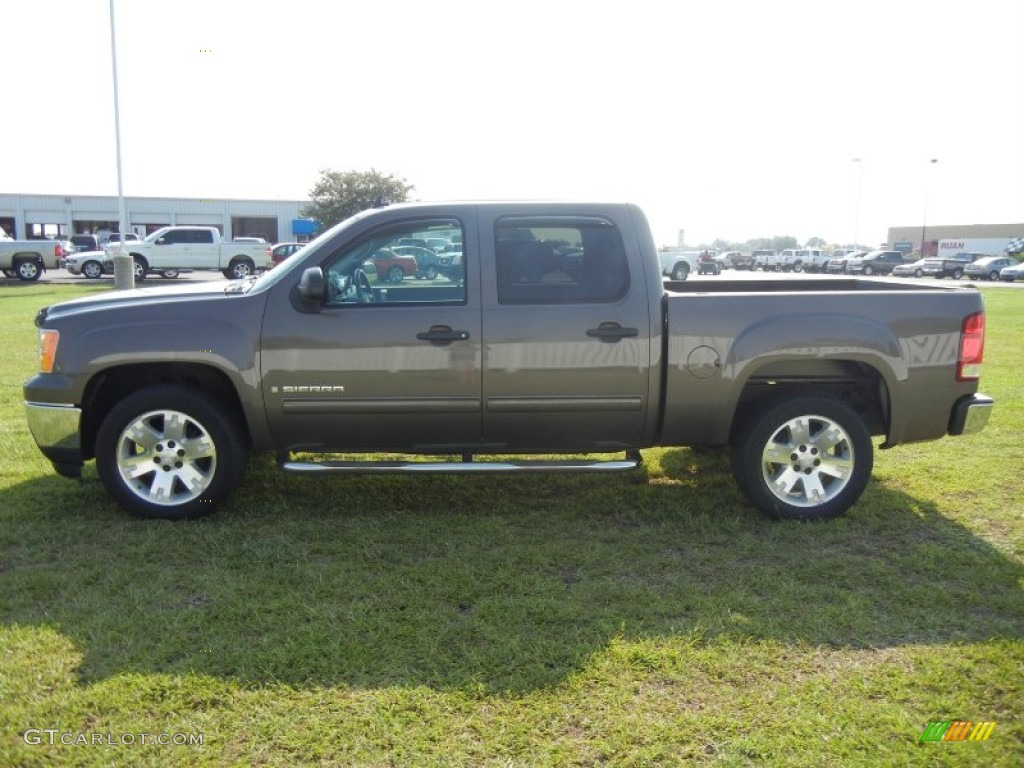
[(988, 268)]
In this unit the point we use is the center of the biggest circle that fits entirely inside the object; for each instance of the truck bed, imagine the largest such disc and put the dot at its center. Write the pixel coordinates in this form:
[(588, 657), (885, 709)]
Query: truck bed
[(842, 336)]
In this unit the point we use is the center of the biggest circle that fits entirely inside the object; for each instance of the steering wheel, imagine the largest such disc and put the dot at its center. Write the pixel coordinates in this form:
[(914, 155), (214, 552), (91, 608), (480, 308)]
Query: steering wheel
[(360, 281)]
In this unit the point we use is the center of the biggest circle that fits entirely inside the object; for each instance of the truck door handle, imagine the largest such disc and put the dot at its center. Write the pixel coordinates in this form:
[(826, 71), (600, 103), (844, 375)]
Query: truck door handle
[(612, 332), (442, 334)]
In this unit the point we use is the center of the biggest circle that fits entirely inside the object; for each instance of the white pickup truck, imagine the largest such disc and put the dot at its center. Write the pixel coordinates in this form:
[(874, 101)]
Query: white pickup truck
[(27, 259), (171, 250)]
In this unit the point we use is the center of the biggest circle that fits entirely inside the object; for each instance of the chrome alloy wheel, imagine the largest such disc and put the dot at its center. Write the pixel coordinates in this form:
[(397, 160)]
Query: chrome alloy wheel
[(166, 457), (808, 461)]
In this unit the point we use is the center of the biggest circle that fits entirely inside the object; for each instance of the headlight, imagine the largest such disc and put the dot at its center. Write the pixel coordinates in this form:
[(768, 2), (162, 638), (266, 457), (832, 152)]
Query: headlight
[(48, 339)]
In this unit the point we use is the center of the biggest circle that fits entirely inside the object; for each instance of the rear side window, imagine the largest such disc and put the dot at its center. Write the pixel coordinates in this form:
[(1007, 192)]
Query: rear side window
[(544, 261)]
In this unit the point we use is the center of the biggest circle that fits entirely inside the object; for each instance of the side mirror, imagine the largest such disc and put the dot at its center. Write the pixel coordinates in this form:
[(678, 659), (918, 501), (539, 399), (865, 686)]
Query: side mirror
[(311, 285)]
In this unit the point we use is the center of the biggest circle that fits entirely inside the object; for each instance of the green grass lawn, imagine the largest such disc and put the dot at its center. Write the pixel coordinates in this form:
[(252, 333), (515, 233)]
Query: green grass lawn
[(652, 618)]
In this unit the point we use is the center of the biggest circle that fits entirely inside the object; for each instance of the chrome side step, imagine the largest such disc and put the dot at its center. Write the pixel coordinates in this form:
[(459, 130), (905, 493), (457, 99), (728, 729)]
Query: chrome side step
[(632, 461)]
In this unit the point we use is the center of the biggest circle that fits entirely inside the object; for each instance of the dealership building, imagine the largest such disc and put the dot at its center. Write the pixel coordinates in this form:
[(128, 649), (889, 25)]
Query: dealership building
[(909, 239), (28, 217)]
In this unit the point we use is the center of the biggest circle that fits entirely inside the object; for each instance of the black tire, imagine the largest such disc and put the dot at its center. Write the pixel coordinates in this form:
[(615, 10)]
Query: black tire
[(958, 273), (993, 275), (829, 452), (28, 270), (395, 275), (169, 274), (92, 270), (240, 268), (430, 273), (680, 271), (192, 437), (798, 267), (918, 273), (869, 270), (140, 266)]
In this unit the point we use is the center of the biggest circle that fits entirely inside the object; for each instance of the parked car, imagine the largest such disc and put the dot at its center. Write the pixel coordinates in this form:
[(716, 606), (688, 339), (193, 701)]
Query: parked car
[(837, 265), (949, 266), (393, 267), (428, 262), (439, 244), (875, 263), (677, 265), (86, 243), (766, 260), (911, 269), (1015, 272), (988, 268), (115, 237), (735, 260), (281, 251), (89, 264), (802, 260)]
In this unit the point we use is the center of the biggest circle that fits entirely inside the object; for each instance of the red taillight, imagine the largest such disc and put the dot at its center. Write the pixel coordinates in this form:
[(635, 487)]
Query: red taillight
[(972, 347), (58, 252)]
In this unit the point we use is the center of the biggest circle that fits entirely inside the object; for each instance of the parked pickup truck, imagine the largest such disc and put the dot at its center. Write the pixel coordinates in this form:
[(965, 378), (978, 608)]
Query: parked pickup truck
[(558, 336), (171, 250), (28, 259), (952, 266)]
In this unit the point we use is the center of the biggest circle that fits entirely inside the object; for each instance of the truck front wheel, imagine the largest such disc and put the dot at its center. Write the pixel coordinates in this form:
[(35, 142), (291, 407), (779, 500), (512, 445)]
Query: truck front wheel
[(28, 270), (170, 451), (239, 268), (808, 458)]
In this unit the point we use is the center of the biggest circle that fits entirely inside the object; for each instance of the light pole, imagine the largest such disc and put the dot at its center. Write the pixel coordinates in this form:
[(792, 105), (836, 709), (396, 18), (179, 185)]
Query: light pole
[(860, 185), (124, 269), (924, 217)]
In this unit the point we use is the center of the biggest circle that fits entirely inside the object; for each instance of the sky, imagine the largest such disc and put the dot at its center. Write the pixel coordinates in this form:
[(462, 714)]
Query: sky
[(727, 119)]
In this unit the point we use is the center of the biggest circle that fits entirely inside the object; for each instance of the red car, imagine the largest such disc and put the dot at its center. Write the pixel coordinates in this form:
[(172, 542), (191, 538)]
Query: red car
[(282, 251)]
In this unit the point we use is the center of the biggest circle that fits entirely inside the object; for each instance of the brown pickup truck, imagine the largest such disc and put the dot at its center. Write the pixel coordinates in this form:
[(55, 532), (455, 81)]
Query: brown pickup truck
[(557, 340)]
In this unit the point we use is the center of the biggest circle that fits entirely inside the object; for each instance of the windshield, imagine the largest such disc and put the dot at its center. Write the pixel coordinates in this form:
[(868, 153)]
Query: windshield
[(291, 264), (158, 234)]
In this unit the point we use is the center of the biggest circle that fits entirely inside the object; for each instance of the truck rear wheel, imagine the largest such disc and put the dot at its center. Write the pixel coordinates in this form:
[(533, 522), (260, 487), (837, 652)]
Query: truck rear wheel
[(170, 451), (239, 268), (681, 271), (28, 270), (807, 458)]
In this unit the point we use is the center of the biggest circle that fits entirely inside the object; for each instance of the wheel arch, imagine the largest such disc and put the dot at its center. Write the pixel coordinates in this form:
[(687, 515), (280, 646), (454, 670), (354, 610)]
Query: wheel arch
[(859, 385), (112, 384)]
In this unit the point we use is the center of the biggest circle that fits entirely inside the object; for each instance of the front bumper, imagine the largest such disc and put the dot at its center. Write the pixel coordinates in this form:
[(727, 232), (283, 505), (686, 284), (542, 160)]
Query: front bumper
[(970, 414), (55, 428)]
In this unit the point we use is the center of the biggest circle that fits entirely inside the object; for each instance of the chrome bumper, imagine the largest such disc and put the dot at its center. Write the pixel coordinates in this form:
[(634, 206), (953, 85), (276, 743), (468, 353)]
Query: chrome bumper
[(970, 414), (54, 427)]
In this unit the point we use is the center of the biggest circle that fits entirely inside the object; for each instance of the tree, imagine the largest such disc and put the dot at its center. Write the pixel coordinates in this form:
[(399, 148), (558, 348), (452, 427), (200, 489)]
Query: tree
[(782, 242), (338, 195), (816, 242)]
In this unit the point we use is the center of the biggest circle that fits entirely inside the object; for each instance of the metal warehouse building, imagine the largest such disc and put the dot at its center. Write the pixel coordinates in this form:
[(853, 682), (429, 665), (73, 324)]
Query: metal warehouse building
[(60, 216)]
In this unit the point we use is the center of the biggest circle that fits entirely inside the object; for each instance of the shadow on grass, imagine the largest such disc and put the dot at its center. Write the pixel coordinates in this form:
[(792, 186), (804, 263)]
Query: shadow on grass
[(484, 584)]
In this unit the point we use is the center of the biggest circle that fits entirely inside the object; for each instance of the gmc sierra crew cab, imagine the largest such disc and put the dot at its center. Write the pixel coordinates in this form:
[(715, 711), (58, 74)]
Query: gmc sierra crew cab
[(556, 344)]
